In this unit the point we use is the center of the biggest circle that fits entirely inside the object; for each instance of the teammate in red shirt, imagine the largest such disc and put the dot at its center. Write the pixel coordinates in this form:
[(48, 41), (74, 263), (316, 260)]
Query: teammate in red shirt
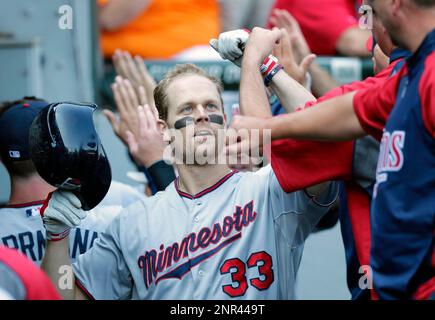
[(330, 27)]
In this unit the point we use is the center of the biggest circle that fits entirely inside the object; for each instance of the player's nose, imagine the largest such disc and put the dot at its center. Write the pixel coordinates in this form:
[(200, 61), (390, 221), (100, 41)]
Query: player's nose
[(201, 115)]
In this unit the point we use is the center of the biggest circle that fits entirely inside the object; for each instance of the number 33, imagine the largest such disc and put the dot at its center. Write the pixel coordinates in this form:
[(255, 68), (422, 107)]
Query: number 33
[(239, 277)]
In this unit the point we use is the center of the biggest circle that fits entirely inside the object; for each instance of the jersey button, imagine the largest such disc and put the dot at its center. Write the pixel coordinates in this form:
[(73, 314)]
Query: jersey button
[(199, 203), (196, 219), (200, 274)]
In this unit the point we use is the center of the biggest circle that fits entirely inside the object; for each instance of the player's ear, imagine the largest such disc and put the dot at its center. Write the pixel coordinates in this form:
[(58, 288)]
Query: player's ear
[(163, 127)]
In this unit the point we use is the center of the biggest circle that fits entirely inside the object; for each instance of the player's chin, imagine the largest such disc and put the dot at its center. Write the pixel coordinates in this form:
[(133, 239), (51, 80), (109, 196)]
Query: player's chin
[(208, 143), (198, 140), (206, 154)]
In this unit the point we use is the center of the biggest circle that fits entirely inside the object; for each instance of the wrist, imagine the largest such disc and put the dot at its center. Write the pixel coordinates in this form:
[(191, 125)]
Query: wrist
[(251, 62), (279, 76), (150, 159), (314, 66), (268, 64), (58, 235), (268, 123), (271, 125), (269, 68)]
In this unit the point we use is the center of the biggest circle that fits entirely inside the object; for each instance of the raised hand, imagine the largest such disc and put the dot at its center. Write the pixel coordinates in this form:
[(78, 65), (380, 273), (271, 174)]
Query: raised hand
[(231, 44), (246, 142), (126, 102), (135, 71), (146, 145), (284, 20), (285, 54), (260, 44)]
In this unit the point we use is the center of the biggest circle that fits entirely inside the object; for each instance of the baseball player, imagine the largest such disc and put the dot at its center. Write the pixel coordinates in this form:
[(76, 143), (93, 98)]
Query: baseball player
[(21, 227), (214, 233), (401, 116)]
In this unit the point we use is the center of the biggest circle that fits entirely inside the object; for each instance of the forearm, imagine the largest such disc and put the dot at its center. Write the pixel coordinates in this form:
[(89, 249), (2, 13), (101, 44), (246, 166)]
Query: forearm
[(253, 97), (57, 265), (322, 81), (332, 120), (117, 13), (291, 93)]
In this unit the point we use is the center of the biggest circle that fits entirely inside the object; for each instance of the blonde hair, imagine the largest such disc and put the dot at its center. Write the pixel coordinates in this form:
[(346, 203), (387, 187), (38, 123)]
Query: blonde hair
[(160, 95)]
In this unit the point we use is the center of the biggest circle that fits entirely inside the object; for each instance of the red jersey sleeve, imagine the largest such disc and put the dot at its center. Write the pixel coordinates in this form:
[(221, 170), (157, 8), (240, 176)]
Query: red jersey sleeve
[(426, 90), (300, 164), (373, 105)]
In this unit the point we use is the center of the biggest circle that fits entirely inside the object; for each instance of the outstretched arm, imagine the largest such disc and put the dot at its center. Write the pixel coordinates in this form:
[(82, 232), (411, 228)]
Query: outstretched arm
[(332, 120)]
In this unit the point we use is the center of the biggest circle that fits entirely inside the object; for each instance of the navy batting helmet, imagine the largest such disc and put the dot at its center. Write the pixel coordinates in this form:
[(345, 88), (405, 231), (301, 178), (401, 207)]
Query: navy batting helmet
[(68, 153)]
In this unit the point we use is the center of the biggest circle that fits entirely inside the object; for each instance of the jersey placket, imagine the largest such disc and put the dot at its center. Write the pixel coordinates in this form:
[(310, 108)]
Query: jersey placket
[(197, 223)]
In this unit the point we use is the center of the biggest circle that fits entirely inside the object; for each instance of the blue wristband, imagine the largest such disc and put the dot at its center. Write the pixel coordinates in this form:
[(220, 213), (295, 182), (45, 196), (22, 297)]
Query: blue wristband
[(271, 74)]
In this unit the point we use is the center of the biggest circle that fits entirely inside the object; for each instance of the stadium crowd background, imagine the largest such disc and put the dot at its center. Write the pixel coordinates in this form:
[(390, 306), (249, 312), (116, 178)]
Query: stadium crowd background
[(43, 55)]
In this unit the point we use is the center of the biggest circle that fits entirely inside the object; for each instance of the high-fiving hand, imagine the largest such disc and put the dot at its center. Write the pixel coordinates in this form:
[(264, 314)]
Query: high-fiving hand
[(284, 20), (285, 54), (248, 139), (126, 102), (147, 145), (134, 70)]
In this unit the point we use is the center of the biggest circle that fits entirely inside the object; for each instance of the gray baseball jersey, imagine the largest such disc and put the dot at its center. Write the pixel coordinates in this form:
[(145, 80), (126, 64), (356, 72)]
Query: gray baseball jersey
[(21, 225), (241, 238)]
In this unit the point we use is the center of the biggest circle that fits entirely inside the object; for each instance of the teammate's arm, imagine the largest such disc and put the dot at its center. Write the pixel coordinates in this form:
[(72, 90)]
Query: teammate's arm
[(343, 118), (333, 120), (322, 81), (291, 93)]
